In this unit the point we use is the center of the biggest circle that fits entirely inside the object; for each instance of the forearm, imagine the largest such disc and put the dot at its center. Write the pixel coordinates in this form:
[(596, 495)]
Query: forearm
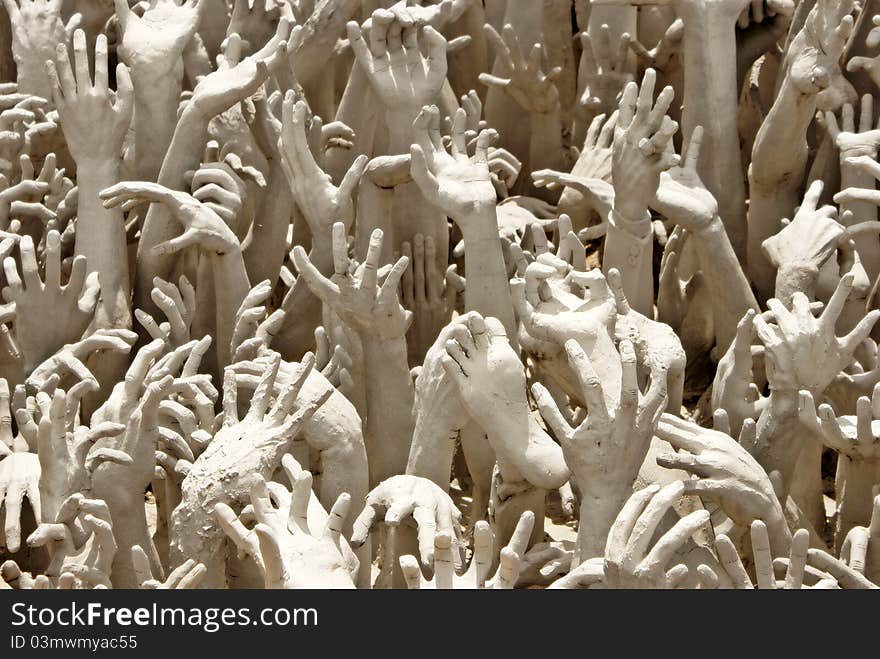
[(867, 244), (265, 247), (130, 529), (731, 293), (711, 99), (545, 146), (389, 423), (779, 158), (599, 509), (856, 500), (232, 285), (629, 248), (100, 237), (796, 278), (156, 100), (780, 436), (488, 289)]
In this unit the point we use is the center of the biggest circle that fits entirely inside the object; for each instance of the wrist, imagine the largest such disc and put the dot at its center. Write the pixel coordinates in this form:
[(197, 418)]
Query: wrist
[(634, 220)]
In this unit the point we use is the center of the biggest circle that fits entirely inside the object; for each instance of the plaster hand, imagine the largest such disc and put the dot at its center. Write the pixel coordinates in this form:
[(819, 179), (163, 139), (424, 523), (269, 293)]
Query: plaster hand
[(492, 386), (187, 576), (639, 154), (861, 547), (37, 28), (804, 352), (402, 78), (523, 78), (93, 118), (321, 202), (604, 69), (81, 541), (408, 499), (69, 306), (631, 561), (725, 473), (477, 576), (452, 181), (290, 555), (202, 226)]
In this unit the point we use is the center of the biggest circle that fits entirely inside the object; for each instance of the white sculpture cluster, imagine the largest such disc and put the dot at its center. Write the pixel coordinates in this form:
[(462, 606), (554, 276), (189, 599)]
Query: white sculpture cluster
[(376, 294)]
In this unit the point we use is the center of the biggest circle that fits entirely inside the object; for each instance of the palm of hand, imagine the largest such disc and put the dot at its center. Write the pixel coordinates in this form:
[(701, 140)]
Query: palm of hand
[(40, 28), (367, 310), (805, 357), (462, 179), (811, 238), (158, 39)]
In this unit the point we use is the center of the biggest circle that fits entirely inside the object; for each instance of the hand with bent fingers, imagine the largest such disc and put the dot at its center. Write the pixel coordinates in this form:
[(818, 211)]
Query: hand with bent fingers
[(289, 553), (187, 576), (202, 226), (410, 500), (81, 541), (321, 202), (402, 78), (477, 575), (725, 472), (804, 352), (354, 292), (240, 448), (631, 561)]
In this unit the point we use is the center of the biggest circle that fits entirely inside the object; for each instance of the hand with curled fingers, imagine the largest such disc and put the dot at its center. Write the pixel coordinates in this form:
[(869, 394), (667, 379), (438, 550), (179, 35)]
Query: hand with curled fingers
[(288, 551), (81, 542), (178, 303), (202, 226), (802, 351), (410, 500), (631, 560), (321, 202), (726, 473), (454, 182), (478, 575), (240, 448), (491, 382), (399, 74), (187, 576)]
